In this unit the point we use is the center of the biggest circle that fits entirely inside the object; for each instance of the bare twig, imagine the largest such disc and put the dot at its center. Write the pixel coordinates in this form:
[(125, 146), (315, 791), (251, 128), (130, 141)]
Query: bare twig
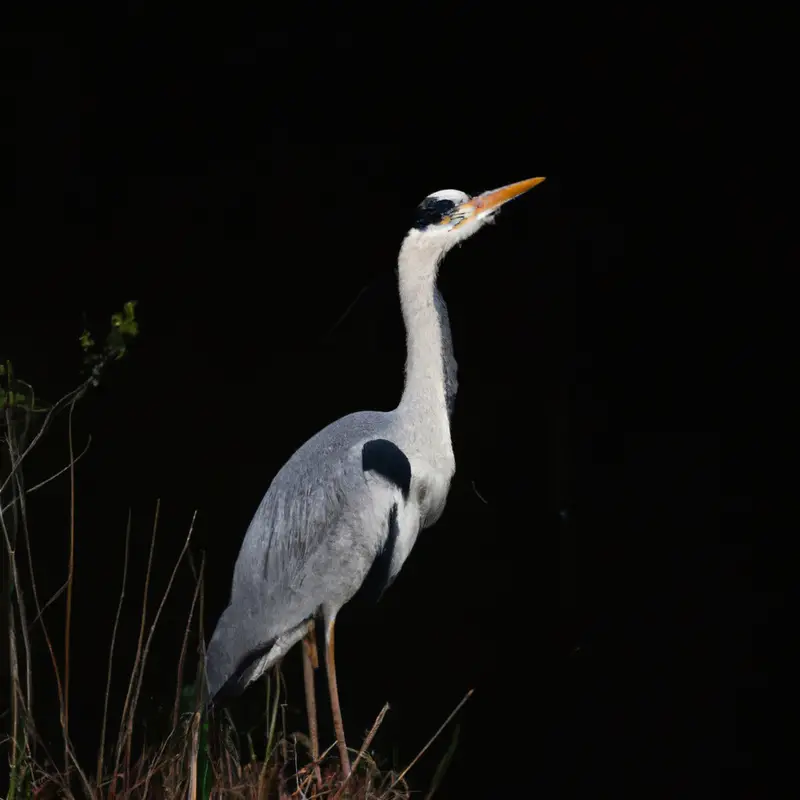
[(15, 697), (84, 780), (111, 651), (15, 578), (19, 704), (443, 765), (19, 492), (49, 479), (273, 721), (21, 500), (201, 639), (184, 644), (364, 748), (193, 756), (480, 496), (433, 738), (149, 641), (347, 310), (131, 683), (70, 574), (56, 594), (156, 763), (74, 394)]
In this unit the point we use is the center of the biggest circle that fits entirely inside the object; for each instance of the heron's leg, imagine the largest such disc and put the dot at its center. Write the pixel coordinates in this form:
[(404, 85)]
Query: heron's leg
[(310, 663), (338, 726)]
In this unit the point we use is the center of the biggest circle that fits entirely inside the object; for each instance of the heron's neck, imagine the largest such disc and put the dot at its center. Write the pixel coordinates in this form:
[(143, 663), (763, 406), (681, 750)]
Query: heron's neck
[(430, 384)]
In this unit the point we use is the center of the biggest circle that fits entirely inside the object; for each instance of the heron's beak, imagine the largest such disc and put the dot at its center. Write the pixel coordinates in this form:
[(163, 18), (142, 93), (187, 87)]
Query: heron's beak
[(490, 202)]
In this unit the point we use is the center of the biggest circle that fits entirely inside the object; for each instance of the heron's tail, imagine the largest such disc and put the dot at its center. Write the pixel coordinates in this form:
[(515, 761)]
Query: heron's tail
[(234, 647)]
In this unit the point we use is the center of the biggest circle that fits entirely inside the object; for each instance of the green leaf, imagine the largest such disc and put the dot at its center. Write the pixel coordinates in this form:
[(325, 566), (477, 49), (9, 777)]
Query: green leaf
[(123, 327), (126, 321), (86, 340)]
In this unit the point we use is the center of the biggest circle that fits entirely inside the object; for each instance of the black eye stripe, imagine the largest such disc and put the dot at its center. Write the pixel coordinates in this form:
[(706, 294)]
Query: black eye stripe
[(432, 210)]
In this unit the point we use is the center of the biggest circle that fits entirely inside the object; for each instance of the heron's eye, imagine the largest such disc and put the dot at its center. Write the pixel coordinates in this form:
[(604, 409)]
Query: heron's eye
[(433, 211)]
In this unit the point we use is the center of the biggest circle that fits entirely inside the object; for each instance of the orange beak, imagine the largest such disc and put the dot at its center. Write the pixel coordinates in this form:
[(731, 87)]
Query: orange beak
[(488, 202)]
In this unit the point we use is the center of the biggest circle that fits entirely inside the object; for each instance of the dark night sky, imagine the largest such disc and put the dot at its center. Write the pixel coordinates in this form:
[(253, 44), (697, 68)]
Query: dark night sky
[(244, 187)]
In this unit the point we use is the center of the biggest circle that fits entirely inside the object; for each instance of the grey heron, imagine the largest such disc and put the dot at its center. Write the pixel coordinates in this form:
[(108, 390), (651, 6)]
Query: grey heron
[(346, 508)]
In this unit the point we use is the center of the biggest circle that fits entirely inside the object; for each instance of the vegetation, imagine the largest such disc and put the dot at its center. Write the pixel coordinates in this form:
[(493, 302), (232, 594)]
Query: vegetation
[(202, 756)]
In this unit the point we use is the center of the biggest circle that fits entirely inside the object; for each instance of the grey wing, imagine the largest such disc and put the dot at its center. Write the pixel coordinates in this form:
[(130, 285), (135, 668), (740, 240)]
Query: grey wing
[(310, 544), (313, 536)]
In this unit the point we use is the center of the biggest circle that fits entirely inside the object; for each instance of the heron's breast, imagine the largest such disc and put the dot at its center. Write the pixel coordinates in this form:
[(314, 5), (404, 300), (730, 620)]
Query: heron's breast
[(431, 487)]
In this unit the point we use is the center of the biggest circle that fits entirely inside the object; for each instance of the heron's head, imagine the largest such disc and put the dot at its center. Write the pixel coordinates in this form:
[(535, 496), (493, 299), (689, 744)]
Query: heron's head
[(448, 217)]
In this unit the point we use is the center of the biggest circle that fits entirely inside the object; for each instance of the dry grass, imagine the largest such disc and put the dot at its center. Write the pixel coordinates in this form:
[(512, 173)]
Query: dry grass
[(202, 756), (172, 770)]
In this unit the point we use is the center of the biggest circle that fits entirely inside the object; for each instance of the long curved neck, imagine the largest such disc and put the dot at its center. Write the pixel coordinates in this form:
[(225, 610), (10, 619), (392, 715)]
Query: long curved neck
[(431, 383)]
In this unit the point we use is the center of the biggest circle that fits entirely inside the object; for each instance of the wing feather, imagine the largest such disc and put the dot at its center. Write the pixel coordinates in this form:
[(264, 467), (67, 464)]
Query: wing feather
[(310, 543), (297, 543)]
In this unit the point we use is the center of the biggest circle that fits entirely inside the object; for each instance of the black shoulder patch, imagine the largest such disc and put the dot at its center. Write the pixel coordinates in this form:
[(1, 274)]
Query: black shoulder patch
[(388, 460), (378, 578)]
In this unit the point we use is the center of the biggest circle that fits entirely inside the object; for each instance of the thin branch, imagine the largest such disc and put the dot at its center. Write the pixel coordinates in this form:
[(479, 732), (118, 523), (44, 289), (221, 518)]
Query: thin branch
[(433, 738), (71, 756), (441, 769), (72, 397), (15, 697), (51, 478), (364, 748), (20, 499), (193, 756), (111, 651), (18, 596), (348, 309), (159, 755), (120, 738), (74, 394), (149, 641), (480, 496), (15, 579), (184, 644), (58, 592), (16, 599), (201, 648), (70, 574)]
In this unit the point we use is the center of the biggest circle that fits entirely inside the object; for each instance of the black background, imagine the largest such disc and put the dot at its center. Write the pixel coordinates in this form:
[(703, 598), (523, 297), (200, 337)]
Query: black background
[(245, 182)]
